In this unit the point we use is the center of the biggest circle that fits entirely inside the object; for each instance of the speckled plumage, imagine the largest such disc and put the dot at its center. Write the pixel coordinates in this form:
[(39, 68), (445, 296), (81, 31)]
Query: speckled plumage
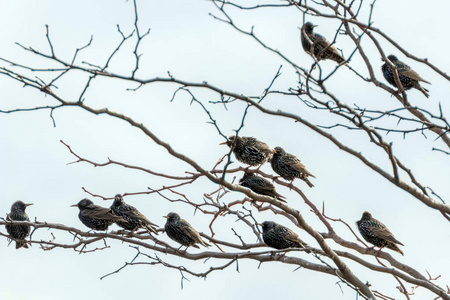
[(260, 185), (18, 232), (289, 166), (94, 216), (408, 77), (134, 219), (182, 232), (376, 233), (280, 237), (317, 46), (249, 150)]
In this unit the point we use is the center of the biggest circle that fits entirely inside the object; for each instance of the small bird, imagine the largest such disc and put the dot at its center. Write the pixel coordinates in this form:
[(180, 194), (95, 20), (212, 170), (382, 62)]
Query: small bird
[(134, 219), (260, 185), (280, 237), (96, 217), (182, 232), (408, 77), (18, 232), (289, 167), (249, 150), (376, 233), (317, 46)]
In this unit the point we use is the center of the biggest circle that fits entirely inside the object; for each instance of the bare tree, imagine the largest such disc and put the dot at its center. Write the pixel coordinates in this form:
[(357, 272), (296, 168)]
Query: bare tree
[(359, 131)]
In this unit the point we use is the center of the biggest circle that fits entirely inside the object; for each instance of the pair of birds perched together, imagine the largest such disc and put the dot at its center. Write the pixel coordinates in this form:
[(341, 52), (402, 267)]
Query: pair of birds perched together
[(372, 230), (320, 48), (253, 152)]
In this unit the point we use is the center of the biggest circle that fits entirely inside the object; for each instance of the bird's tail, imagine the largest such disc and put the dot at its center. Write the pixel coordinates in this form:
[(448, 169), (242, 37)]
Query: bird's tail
[(394, 247), (280, 197), (150, 229), (423, 90), (204, 243), (305, 179), (20, 244)]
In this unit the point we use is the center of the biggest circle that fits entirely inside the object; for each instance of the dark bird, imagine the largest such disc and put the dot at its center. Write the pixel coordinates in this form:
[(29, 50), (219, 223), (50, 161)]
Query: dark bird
[(249, 150), (18, 232), (182, 232), (317, 46), (134, 219), (260, 185), (408, 77), (96, 217), (280, 237), (376, 233), (289, 167)]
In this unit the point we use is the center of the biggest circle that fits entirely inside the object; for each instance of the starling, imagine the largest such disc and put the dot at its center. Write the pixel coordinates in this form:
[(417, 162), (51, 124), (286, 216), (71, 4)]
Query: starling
[(289, 167), (96, 217), (18, 232), (134, 219), (408, 78), (182, 232), (260, 185), (376, 233), (280, 237), (317, 46), (249, 150)]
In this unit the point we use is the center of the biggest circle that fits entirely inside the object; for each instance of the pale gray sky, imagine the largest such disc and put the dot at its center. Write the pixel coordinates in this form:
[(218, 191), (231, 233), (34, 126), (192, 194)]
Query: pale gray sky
[(194, 47)]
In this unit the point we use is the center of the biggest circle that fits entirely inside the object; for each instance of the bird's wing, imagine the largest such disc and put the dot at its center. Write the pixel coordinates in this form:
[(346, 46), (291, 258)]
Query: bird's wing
[(101, 213), (263, 147), (294, 163), (292, 236), (192, 233), (411, 74), (384, 233), (323, 43), (134, 214), (263, 185)]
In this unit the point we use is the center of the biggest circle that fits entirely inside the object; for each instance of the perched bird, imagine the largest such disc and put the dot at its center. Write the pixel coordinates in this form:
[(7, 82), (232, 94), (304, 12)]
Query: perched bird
[(249, 150), (182, 232), (18, 232), (376, 233), (96, 217), (134, 219), (289, 167), (260, 185), (408, 77), (280, 237), (317, 46)]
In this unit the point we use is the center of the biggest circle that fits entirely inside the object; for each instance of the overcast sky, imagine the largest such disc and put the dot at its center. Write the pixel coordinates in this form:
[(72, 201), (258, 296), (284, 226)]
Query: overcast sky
[(186, 41)]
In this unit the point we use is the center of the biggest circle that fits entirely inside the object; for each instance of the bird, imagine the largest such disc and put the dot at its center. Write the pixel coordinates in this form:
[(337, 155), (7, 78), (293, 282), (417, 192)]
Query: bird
[(260, 185), (408, 77), (18, 232), (134, 219), (279, 237), (376, 233), (249, 150), (289, 167), (96, 217), (182, 232), (317, 46)]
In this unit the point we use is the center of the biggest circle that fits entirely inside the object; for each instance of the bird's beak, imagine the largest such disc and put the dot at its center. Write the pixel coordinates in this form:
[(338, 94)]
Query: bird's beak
[(166, 217), (315, 26), (273, 151), (28, 204), (75, 205), (224, 143), (259, 224)]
